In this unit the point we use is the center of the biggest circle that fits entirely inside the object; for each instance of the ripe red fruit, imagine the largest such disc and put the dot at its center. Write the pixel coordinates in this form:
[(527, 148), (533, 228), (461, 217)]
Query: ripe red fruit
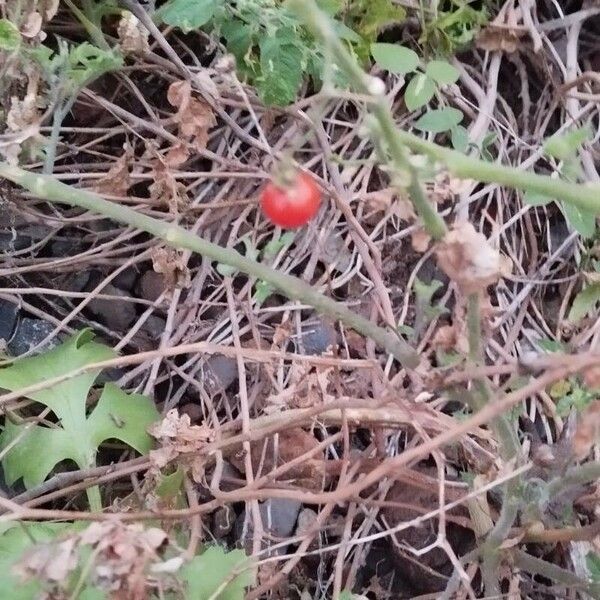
[(293, 204)]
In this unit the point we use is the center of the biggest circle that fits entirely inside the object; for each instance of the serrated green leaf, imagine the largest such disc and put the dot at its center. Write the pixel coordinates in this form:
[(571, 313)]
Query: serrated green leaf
[(88, 62), (582, 221), (369, 17), (238, 38), (10, 38), (205, 574), (439, 120), (585, 302), (442, 72), (459, 136), (565, 145), (76, 437), (395, 58), (188, 14), (419, 91), (281, 63), (536, 199)]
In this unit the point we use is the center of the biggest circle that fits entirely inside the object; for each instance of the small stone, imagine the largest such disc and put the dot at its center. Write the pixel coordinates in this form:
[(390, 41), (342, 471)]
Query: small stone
[(193, 411), (29, 333), (218, 373), (8, 319), (223, 521), (306, 521), (125, 280), (151, 285), (279, 516), (78, 281), (318, 337), (113, 313), (154, 326)]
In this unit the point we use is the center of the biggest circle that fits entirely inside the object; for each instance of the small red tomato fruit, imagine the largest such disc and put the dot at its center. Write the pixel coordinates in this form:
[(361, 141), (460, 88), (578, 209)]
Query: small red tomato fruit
[(291, 205)]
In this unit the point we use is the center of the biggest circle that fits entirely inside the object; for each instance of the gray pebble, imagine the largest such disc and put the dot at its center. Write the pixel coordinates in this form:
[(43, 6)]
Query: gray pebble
[(29, 333), (114, 314), (316, 338), (218, 373), (8, 319)]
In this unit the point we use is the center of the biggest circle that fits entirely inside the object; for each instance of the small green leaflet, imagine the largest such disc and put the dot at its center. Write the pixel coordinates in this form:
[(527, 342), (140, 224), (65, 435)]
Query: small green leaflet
[(117, 415), (584, 302), (205, 574), (439, 120), (282, 64), (459, 136), (582, 221), (395, 58), (10, 38), (442, 72), (419, 91), (565, 145), (188, 14)]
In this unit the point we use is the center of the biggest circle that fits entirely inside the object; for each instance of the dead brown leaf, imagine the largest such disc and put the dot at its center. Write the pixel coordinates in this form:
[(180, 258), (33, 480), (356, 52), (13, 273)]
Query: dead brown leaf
[(180, 440), (194, 117), (165, 189), (388, 201), (468, 259), (275, 451), (48, 562), (170, 263), (133, 36), (495, 38), (117, 180)]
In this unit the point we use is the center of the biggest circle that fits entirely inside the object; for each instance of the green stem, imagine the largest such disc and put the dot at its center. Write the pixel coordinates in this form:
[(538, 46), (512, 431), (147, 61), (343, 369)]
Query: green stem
[(94, 498), (50, 189), (531, 564), (585, 196)]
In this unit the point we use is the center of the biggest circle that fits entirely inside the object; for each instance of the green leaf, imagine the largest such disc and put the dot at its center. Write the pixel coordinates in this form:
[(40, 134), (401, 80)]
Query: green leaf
[(281, 62), (584, 302), (395, 58), (369, 17), (10, 38), (547, 345), (565, 145), (117, 415), (582, 221), (439, 120), (592, 561), (263, 290), (205, 574), (459, 136), (274, 246), (88, 62), (188, 14), (419, 91), (442, 72), (536, 199), (238, 38)]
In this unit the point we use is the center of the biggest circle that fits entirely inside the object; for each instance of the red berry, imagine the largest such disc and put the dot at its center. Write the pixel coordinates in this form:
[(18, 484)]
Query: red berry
[(292, 205)]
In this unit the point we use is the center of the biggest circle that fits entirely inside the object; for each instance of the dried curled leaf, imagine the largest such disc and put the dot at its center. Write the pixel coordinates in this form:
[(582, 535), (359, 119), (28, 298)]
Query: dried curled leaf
[(194, 117), (494, 38), (180, 440), (467, 258), (133, 36), (170, 263)]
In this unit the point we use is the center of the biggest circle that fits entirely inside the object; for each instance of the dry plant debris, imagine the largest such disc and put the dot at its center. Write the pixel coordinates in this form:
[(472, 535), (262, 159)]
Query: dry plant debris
[(284, 433)]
